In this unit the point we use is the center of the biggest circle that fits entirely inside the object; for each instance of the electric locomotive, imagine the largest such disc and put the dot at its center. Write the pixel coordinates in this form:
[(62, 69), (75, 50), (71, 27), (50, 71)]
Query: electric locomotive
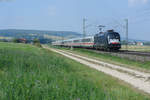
[(109, 40)]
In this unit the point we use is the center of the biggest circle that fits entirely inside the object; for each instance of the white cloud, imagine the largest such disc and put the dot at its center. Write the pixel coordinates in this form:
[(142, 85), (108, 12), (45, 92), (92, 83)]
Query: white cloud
[(135, 2)]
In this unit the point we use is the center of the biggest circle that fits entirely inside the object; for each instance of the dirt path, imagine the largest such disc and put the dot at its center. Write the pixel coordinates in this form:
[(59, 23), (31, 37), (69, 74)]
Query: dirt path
[(137, 79)]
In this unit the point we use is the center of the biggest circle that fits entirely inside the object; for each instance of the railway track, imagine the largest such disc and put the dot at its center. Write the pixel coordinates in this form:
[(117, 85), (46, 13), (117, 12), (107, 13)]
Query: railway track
[(135, 53), (138, 53), (132, 55)]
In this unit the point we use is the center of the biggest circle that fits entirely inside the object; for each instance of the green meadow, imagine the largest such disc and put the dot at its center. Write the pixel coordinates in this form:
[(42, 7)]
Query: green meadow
[(32, 73)]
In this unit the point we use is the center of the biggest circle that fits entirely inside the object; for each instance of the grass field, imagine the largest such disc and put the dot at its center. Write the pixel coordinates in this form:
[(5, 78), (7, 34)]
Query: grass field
[(32, 73), (137, 48)]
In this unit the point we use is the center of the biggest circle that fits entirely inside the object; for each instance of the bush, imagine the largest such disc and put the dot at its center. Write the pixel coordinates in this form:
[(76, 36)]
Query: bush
[(36, 42)]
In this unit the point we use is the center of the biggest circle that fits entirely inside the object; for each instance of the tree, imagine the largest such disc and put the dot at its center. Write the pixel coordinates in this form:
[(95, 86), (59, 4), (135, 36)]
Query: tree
[(16, 40), (36, 42)]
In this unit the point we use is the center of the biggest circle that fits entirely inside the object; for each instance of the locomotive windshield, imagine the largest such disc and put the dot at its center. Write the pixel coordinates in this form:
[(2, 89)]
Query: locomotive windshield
[(114, 36)]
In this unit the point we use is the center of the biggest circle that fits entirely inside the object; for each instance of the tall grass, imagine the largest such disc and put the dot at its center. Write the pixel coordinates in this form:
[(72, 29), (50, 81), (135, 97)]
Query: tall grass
[(32, 73)]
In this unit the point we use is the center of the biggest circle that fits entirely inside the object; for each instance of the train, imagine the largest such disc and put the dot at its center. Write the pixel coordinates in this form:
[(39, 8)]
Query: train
[(109, 40)]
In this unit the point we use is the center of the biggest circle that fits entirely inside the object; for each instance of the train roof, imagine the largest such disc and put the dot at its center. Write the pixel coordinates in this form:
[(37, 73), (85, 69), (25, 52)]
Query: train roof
[(79, 38), (73, 39), (107, 32)]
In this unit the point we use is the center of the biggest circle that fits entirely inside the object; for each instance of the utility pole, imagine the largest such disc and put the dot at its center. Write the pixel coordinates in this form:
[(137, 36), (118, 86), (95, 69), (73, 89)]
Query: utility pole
[(84, 32), (62, 38), (126, 20)]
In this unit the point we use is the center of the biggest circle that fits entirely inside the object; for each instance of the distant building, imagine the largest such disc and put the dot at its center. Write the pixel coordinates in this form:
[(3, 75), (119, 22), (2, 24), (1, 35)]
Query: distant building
[(140, 43), (22, 40), (132, 43)]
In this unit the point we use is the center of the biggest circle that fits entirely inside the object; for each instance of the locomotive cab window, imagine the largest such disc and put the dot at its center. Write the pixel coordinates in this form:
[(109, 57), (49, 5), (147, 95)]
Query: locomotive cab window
[(114, 36)]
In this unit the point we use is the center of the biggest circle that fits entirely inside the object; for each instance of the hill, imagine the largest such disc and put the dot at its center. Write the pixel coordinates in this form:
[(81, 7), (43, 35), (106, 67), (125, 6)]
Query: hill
[(40, 34)]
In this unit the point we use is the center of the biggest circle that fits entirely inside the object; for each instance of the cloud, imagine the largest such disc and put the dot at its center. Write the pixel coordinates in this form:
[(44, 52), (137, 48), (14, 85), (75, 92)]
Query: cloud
[(137, 2)]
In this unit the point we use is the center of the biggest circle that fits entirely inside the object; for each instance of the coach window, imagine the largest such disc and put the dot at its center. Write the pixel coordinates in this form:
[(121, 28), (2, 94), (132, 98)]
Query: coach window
[(76, 41), (86, 40)]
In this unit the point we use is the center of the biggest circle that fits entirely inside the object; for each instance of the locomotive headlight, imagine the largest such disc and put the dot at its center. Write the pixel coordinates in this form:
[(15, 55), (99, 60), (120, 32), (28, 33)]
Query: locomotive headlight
[(114, 40)]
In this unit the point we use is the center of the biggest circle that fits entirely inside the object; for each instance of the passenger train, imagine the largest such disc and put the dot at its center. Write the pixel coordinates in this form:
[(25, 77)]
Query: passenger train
[(108, 40)]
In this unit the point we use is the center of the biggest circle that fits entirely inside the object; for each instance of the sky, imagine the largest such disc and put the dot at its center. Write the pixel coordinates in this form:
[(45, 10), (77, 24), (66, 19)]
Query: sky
[(67, 15)]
